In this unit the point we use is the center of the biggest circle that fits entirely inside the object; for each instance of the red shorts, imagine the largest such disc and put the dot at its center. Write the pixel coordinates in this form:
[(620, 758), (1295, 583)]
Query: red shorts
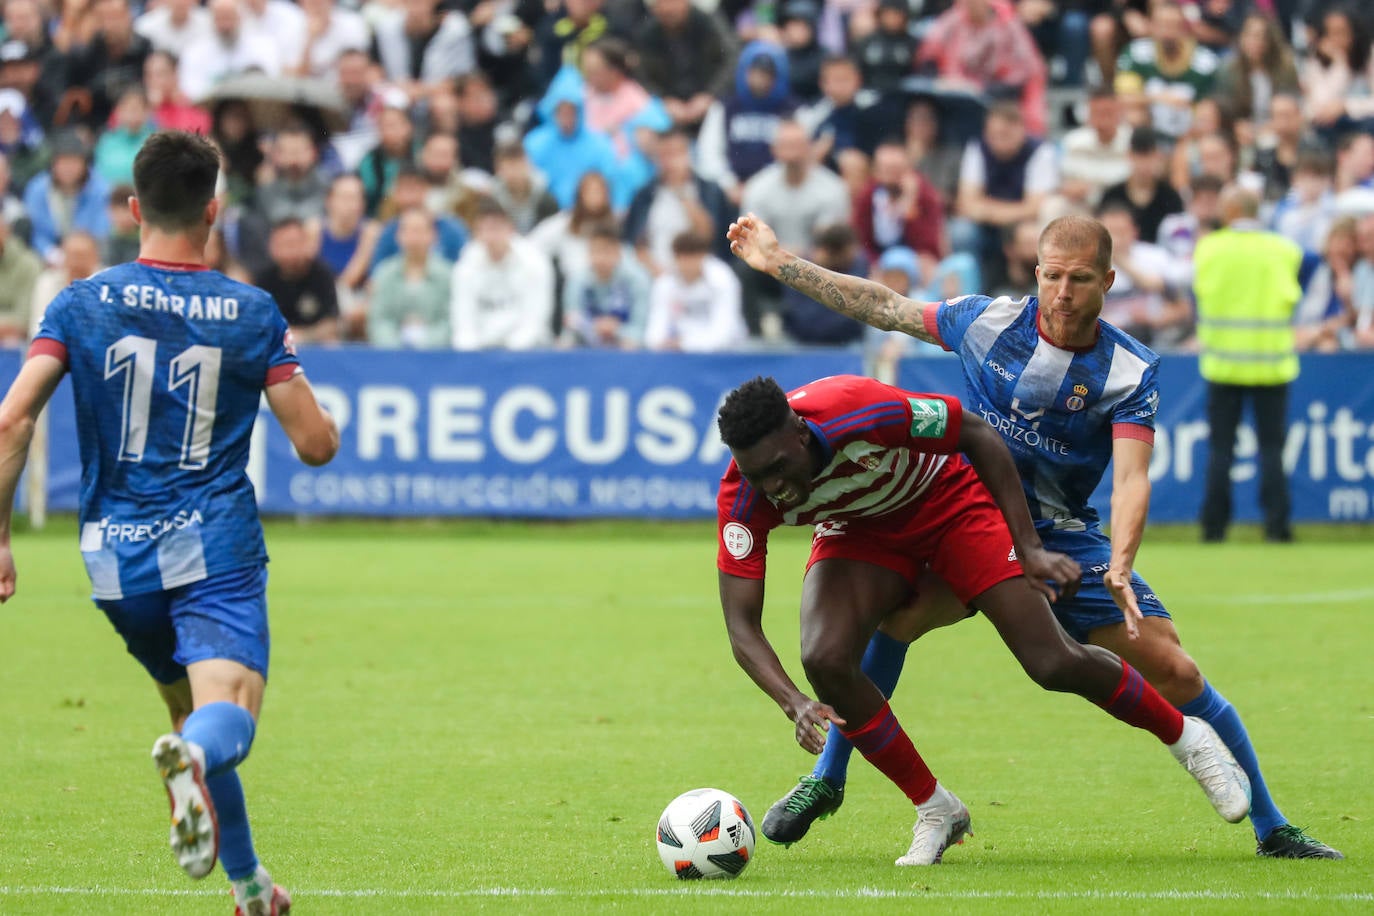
[(957, 531)]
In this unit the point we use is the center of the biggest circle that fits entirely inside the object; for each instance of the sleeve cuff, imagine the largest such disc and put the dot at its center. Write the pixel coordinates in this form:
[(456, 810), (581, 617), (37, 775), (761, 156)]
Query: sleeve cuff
[(46, 346), (929, 313), (1133, 431), (282, 373)]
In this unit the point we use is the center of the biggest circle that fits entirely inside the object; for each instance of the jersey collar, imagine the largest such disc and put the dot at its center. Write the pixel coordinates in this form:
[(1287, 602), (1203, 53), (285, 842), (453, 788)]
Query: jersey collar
[(171, 265), (827, 450)]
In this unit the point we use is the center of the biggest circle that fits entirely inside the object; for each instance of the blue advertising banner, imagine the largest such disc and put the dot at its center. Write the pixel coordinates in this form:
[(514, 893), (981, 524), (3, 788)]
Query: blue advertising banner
[(585, 434), (1329, 451)]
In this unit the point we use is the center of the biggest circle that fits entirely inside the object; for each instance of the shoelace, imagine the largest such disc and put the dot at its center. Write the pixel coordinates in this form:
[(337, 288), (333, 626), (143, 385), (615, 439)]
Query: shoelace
[(804, 795)]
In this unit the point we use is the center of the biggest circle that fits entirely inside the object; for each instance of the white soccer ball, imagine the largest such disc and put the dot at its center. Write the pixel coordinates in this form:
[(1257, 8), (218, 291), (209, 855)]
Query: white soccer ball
[(705, 833)]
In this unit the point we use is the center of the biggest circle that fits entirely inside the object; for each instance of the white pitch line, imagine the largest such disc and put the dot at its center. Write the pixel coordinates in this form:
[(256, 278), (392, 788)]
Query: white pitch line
[(713, 891), (1335, 597)]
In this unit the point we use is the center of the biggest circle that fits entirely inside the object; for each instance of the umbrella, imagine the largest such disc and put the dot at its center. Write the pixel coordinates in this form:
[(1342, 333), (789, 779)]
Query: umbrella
[(275, 100)]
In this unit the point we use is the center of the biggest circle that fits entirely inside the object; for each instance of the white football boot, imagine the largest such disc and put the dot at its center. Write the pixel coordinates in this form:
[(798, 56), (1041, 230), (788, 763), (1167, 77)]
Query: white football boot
[(941, 821), (195, 831), (1204, 755)]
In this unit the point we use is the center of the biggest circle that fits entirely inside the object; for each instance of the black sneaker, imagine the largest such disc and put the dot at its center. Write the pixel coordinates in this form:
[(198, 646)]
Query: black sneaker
[(792, 815), (1289, 842)]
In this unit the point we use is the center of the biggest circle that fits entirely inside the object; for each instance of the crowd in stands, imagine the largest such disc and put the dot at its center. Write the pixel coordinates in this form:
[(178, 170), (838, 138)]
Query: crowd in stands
[(531, 173)]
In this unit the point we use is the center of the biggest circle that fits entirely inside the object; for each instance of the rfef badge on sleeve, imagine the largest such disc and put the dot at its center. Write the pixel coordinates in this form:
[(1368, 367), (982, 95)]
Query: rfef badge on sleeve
[(929, 418)]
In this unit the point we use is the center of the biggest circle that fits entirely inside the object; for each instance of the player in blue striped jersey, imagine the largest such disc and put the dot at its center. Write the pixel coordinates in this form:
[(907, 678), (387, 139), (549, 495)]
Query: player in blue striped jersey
[(1069, 393), (169, 361)]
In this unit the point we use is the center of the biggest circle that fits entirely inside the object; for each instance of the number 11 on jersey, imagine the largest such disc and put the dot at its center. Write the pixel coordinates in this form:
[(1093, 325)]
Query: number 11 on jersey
[(133, 360)]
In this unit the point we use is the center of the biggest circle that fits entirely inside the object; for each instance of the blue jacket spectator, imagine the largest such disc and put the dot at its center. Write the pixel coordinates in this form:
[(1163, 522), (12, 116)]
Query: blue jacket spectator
[(65, 197), (563, 148), (736, 138)]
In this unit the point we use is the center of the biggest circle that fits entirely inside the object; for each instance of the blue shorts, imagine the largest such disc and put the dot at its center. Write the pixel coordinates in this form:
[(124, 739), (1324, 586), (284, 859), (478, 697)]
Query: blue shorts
[(224, 616), (1093, 606)]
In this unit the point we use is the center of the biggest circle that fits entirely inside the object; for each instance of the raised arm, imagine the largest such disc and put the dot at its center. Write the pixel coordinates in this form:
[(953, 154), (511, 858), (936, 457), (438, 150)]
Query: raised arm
[(990, 458), (753, 242), (742, 601)]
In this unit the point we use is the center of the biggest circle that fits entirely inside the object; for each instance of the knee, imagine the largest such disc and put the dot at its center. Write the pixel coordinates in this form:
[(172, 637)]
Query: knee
[(829, 668), (1059, 670), (1179, 679)]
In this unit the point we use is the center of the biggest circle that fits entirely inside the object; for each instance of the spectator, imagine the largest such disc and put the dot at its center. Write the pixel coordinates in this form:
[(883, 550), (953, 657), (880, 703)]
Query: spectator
[(900, 271), (1209, 121), (982, 42), (1110, 29), (502, 288), (694, 306), (1246, 284), (477, 122), (231, 49), (1060, 30), (563, 148), (1005, 177), (1354, 162), (1281, 145), (1362, 283), (1338, 79), (19, 270), (80, 259), (122, 244), (411, 290), (612, 96), (237, 138), (1218, 23), (1020, 257), (409, 192), (120, 142), (562, 39), (1218, 156), (900, 207), (21, 139), (347, 237), (279, 23), (1147, 299), (933, 154), (364, 98), (794, 195), (1096, 155), (1149, 197), (504, 35), (394, 151), (301, 283), (113, 61), (11, 207), (418, 47), (174, 25), (24, 23), (605, 301), (329, 32), (797, 24), (1326, 311), (1261, 69), (737, 136), (67, 196), (1306, 212), (886, 54), (1180, 232), (37, 72), (565, 236), (449, 184), (804, 319), (844, 126), (686, 58), (1169, 69), (520, 189), (678, 201), (296, 189), (170, 108)]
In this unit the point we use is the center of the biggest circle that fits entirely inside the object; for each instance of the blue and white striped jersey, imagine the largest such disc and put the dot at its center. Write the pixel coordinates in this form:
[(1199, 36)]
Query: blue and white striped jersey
[(168, 364), (1057, 409)]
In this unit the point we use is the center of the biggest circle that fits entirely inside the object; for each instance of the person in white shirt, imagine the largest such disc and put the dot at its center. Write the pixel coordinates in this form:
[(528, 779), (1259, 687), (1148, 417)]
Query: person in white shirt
[(174, 25), (1147, 299), (230, 49), (1096, 155), (329, 32), (695, 307), (794, 195), (277, 22), (502, 288), (441, 41)]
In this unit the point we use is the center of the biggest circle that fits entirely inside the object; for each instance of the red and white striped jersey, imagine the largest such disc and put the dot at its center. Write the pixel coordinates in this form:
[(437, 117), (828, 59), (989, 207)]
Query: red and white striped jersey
[(884, 449)]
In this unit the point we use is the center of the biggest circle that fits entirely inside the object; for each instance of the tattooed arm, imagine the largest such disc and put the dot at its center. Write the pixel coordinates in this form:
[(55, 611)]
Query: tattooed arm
[(863, 300)]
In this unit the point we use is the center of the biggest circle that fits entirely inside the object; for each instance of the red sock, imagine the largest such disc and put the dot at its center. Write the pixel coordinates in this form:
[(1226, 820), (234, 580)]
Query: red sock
[(1136, 703), (884, 744)]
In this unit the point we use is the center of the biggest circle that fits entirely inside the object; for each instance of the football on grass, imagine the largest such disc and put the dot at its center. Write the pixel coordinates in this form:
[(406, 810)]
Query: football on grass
[(705, 833)]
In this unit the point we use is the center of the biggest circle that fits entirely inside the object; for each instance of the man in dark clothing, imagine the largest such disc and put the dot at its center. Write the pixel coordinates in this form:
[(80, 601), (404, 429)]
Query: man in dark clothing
[(1145, 192), (111, 63), (302, 284), (686, 57)]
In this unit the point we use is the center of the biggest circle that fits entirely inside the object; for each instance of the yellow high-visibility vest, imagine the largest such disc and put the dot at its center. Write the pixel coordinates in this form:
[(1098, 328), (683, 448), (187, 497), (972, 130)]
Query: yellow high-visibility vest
[(1246, 283)]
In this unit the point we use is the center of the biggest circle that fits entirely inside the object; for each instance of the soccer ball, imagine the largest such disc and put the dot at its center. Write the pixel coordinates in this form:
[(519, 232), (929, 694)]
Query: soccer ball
[(705, 833)]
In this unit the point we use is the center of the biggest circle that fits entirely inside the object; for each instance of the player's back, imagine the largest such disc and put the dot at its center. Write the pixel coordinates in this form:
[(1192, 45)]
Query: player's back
[(168, 365)]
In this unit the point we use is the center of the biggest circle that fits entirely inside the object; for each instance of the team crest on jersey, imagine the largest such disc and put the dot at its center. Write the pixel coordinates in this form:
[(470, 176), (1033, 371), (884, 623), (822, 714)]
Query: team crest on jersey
[(870, 462), (738, 540), (929, 418)]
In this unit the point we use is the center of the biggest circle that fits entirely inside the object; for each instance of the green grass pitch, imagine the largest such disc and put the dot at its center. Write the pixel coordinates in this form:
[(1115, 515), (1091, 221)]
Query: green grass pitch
[(482, 717)]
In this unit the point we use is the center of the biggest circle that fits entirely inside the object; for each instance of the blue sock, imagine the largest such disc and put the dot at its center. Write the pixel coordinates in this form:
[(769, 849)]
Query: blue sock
[(236, 853), (1222, 716), (224, 731), (883, 660)]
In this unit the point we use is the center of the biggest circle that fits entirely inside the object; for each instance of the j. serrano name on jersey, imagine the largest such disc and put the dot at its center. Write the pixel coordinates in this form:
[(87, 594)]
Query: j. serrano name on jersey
[(150, 298)]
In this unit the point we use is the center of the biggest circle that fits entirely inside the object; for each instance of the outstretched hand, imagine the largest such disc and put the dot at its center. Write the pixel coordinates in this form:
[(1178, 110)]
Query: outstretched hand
[(1118, 582), (1054, 575), (752, 241), (813, 721)]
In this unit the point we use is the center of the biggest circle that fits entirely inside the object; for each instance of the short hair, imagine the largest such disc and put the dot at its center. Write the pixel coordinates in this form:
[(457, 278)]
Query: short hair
[(676, 133), (288, 222), (604, 231), (422, 211), (489, 207), (1007, 110), (409, 172), (175, 173), (508, 150), (752, 411), (1316, 161), (690, 243), (1079, 232), (836, 237), (120, 194), (1102, 91), (1206, 184), (616, 51), (840, 60)]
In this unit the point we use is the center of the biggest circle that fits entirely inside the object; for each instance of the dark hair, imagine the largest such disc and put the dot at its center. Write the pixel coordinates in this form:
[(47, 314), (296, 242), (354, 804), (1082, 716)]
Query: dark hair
[(1315, 160), (288, 222), (120, 194), (835, 237), (753, 410), (691, 243), (604, 231), (581, 214), (508, 150), (834, 60), (174, 178), (1102, 91), (676, 132), (1359, 39), (488, 206), (1206, 184), (616, 52)]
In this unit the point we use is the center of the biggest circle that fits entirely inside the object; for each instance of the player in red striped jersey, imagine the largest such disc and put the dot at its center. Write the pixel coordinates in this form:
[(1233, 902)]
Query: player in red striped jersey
[(877, 470)]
